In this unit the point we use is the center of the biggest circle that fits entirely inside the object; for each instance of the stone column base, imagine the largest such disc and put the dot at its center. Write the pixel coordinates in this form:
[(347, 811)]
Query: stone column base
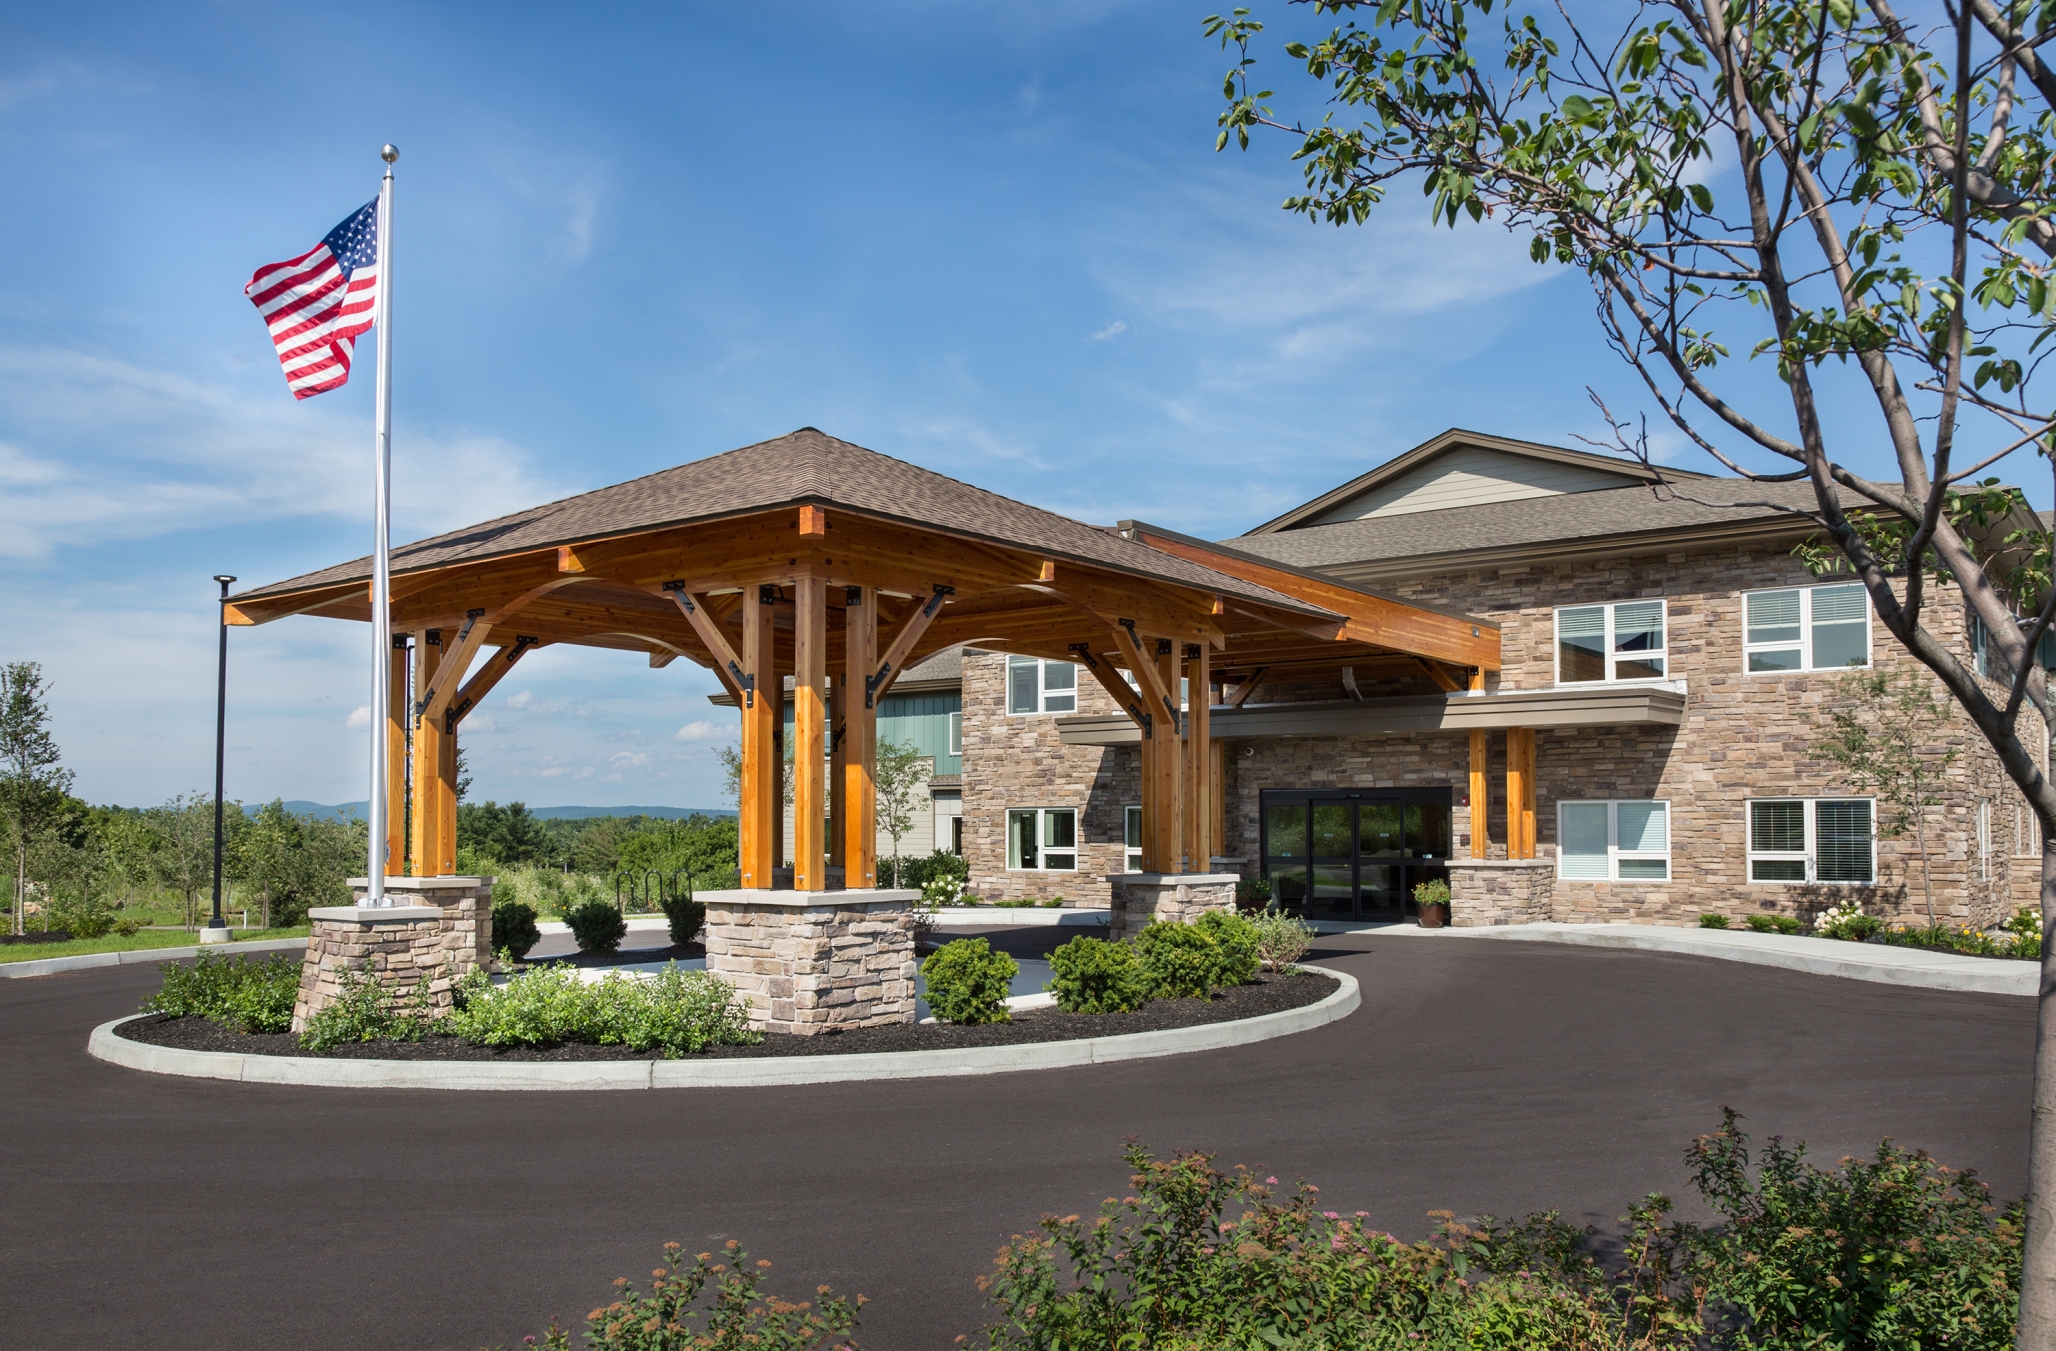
[(815, 961), (437, 930), (1485, 892), (1175, 898)]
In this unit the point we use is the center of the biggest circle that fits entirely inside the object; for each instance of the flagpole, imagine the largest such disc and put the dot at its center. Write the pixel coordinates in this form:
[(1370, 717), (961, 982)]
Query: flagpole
[(381, 579)]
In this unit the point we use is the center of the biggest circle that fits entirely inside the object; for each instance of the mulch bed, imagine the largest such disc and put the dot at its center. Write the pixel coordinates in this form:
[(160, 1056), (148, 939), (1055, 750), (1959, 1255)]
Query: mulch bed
[(1267, 994), (46, 936), (675, 952)]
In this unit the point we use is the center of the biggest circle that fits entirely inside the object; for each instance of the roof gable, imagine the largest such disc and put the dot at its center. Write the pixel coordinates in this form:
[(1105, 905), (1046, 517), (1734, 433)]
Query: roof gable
[(1465, 469)]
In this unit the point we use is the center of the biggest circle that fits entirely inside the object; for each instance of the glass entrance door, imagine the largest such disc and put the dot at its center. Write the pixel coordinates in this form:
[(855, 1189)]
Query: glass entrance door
[(1354, 854)]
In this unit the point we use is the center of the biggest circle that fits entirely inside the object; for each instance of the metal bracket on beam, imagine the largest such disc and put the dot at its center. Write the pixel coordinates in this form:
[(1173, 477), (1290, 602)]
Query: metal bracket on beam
[(1148, 726), (875, 683), (1163, 647), (852, 596), (746, 683), (684, 597), (400, 641), (767, 594)]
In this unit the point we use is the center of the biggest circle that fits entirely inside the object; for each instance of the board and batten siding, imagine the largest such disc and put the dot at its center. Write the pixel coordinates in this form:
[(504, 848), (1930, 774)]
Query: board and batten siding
[(1467, 477), (920, 718)]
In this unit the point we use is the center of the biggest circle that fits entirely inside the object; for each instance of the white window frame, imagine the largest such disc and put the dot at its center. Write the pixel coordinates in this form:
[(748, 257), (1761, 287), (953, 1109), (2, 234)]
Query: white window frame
[(1043, 694), (1612, 657), (1614, 853), (1041, 815), (1750, 649), (1984, 838), (1809, 855), (956, 733), (1131, 854)]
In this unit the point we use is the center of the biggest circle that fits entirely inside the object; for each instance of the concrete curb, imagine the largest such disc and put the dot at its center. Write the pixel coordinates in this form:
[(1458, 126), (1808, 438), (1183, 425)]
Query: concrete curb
[(1817, 956), (993, 916), (50, 966), (825, 1069)]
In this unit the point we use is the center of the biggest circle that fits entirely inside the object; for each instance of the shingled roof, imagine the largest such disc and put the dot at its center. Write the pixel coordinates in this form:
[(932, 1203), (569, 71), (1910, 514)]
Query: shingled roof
[(806, 466)]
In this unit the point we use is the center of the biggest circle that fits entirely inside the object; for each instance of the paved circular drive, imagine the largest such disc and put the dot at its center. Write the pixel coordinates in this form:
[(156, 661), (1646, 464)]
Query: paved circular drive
[(148, 1211)]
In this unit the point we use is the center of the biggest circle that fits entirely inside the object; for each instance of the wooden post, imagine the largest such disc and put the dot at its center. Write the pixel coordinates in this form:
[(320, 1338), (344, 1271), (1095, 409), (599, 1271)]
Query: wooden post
[(428, 758), (396, 758), (1199, 805), (1520, 792), (1154, 737), (838, 769), (1481, 794), (860, 742), (446, 806), (1171, 768), (809, 726), (1220, 790), (761, 712)]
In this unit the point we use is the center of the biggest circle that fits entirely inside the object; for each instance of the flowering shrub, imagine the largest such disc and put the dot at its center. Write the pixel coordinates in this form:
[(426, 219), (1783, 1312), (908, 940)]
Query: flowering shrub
[(1281, 939), (597, 925), (675, 1011), (943, 888), (1091, 975), (669, 1316), (238, 992), (2026, 923), (1969, 941), (1847, 921), (968, 982)]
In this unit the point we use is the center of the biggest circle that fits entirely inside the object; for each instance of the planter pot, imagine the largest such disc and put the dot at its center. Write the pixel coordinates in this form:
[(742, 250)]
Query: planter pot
[(1435, 916)]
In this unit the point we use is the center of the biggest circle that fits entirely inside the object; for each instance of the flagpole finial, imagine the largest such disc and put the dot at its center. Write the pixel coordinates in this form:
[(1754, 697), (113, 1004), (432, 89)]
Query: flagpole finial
[(389, 152)]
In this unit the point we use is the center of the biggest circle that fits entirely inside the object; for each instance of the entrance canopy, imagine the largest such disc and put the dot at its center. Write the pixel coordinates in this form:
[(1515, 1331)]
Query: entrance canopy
[(807, 555)]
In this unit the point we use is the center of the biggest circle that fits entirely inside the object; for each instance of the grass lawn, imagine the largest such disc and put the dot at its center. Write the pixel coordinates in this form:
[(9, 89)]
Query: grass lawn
[(148, 938)]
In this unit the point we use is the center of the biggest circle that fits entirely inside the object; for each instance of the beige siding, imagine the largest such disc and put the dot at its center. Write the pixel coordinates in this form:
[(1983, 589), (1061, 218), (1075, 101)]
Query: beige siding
[(1468, 476)]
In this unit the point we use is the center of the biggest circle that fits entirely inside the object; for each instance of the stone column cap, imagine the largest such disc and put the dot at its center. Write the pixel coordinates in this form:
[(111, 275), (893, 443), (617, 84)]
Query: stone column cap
[(804, 900), (375, 914), (424, 883), (1173, 879), (1549, 863)]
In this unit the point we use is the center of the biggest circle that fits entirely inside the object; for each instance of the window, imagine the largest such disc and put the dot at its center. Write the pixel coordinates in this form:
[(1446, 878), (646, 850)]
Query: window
[(1132, 859), (956, 734), (1610, 642), (1984, 837), (1811, 840), (1817, 628), (1036, 686), (1043, 839), (1985, 657), (1613, 841)]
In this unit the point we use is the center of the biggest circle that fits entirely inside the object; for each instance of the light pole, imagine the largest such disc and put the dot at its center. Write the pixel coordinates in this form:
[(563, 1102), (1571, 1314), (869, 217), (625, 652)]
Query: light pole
[(217, 929)]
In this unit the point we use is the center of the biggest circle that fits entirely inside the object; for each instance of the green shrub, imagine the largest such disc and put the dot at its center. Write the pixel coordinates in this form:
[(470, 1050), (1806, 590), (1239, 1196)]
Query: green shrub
[(128, 928), (364, 1010), (736, 1316), (514, 927), (1281, 939), (541, 1006), (1235, 944), (1053, 903), (685, 917), (240, 992), (679, 1012), (942, 889), (915, 874), (1774, 924), (1180, 961), (1091, 975), (1253, 893), (1847, 922), (968, 982), (82, 916), (1435, 891), (1713, 921), (596, 925)]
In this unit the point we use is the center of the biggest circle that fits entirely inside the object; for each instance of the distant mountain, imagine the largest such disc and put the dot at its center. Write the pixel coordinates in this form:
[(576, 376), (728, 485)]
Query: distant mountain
[(355, 811)]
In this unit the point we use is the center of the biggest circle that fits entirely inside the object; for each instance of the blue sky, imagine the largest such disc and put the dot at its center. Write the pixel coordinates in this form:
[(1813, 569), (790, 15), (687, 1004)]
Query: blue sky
[(992, 239)]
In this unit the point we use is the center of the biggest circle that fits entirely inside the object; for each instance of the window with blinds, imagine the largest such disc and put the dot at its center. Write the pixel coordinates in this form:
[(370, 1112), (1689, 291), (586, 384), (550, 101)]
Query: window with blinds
[(1041, 686), (1622, 641), (1812, 840), (1800, 628), (1616, 841)]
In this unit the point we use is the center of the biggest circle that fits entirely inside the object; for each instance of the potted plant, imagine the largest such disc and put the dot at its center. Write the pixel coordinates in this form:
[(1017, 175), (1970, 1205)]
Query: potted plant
[(1433, 899)]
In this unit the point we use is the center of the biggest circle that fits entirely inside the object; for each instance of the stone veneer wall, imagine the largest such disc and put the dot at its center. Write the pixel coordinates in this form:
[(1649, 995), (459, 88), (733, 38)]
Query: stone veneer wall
[(1174, 898), (1484, 893), (1016, 760), (833, 960), (404, 953), (1744, 736)]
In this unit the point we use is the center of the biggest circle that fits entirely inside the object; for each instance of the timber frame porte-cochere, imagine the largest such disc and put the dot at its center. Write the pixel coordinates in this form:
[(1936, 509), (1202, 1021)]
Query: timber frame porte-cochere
[(812, 558)]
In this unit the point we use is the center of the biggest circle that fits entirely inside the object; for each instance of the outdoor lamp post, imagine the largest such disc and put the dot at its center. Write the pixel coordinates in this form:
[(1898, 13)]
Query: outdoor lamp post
[(217, 928)]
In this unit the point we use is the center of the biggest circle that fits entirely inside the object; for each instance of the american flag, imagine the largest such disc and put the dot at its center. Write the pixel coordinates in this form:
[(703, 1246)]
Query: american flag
[(318, 303)]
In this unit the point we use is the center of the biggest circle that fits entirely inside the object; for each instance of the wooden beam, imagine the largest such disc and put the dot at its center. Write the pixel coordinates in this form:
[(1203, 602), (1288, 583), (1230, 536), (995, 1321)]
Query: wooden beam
[(492, 673), (1120, 691), (1220, 799), (1144, 664), (838, 763), (396, 759), (762, 795), (810, 740), (695, 611), (813, 522), (1520, 792), (424, 847), (1170, 769), (450, 671), (1481, 794), (1438, 675), (902, 645), (1247, 687), (1199, 803), (860, 741)]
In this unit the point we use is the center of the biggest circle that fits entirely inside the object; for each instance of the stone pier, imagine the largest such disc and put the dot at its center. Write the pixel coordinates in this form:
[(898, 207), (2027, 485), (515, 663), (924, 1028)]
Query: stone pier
[(436, 930), (1175, 898), (808, 962), (1485, 892)]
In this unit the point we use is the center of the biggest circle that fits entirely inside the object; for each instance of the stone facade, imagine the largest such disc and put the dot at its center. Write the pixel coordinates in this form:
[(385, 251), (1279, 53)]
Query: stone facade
[(1174, 898), (812, 962), (439, 930), (1488, 892)]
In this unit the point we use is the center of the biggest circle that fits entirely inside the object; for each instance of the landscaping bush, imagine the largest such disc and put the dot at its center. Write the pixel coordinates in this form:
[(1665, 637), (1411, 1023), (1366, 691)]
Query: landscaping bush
[(685, 917), (1253, 893), (1713, 921), (1281, 939), (241, 993), (82, 916), (915, 874), (1180, 961), (1235, 946), (1847, 922), (596, 925), (1091, 975), (968, 982), (1971, 942), (1435, 891), (942, 889), (364, 1010), (735, 1317), (676, 1011), (514, 927), (1774, 924)]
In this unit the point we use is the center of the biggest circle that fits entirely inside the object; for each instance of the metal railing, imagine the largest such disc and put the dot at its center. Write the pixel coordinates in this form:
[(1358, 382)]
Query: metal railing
[(647, 891)]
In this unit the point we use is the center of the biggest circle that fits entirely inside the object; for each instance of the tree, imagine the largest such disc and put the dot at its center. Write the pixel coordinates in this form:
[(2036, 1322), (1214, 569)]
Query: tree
[(508, 835), (186, 861), (901, 768), (1885, 232), (33, 784), (1885, 740)]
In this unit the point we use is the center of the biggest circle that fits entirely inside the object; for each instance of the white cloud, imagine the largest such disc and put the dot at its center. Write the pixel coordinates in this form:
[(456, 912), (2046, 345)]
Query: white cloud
[(359, 719), (1111, 331), (519, 701), (628, 759), (699, 731)]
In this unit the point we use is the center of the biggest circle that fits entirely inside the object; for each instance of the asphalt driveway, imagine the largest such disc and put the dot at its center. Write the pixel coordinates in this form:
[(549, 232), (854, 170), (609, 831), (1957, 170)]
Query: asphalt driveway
[(144, 1211)]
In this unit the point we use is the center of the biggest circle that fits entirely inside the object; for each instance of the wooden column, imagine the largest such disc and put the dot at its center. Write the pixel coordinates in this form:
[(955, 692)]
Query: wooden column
[(428, 758), (1481, 794), (1220, 791), (810, 736), (397, 702), (838, 769), (1199, 758), (860, 742), (1520, 792), (1171, 768), (446, 806), (762, 709), (1154, 736)]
